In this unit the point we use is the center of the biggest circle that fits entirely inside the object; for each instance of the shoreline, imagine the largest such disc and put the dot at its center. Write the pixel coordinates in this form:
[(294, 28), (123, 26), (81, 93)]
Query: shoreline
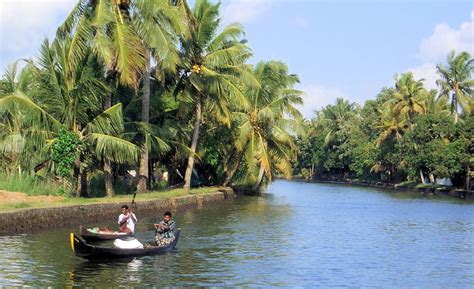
[(455, 193), (33, 219)]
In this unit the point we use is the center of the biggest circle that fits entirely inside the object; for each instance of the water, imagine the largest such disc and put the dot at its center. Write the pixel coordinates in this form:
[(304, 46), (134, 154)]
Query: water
[(297, 234)]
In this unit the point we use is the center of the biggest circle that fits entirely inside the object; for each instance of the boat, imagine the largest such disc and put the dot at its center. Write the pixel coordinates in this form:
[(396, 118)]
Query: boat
[(90, 235), (91, 252)]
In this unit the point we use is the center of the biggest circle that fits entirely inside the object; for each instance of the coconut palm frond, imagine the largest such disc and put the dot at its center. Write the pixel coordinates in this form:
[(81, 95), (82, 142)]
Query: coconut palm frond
[(113, 148), (110, 122)]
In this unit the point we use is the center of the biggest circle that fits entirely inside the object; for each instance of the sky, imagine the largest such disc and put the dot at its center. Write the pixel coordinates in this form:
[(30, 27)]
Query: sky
[(338, 48)]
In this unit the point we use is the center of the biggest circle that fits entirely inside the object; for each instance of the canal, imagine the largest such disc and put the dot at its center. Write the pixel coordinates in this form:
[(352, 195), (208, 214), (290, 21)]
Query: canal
[(296, 234)]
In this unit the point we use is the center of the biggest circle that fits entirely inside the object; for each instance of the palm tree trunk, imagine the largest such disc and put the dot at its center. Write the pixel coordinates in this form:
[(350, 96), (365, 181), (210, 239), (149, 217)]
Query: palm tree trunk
[(422, 177), (82, 178), (84, 192), (432, 178), (143, 171), (230, 173), (197, 125), (151, 176), (261, 173), (109, 187), (468, 177), (454, 107), (75, 181)]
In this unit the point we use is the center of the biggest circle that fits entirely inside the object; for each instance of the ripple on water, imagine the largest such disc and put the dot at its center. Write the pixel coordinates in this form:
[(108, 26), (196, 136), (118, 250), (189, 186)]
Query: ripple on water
[(297, 235)]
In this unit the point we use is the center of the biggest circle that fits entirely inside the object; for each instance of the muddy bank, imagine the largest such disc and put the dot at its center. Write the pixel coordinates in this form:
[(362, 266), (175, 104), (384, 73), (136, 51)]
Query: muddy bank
[(28, 220), (458, 193)]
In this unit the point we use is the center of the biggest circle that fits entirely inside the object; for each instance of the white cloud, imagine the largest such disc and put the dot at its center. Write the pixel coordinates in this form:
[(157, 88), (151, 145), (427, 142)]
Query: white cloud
[(436, 47), (25, 23), (245, 11), (317, 96), (426, 71)]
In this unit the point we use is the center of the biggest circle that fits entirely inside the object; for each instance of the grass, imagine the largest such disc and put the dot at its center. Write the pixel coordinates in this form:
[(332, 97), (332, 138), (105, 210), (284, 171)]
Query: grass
[(32, 186), (168, 194)]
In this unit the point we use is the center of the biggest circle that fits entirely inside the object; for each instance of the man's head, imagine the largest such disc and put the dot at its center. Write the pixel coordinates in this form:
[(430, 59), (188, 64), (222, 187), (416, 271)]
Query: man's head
[(124, 209), (167, 216)]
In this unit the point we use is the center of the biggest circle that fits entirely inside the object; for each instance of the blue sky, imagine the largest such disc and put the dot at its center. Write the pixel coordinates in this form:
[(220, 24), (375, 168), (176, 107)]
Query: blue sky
[(339, 48)]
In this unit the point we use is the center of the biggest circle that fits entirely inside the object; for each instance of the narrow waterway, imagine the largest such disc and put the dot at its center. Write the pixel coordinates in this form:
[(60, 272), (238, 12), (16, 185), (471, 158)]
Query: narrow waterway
[(296, 234)]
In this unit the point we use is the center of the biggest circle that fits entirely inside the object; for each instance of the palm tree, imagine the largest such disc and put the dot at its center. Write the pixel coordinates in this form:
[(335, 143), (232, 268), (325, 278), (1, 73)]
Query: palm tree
[(212, 68), (105, 26), (456, 82), (392, 124), (266, 127), (16, 80), (332, 118), (434, 103), (14, 130), (71, 100), (158, 24), (407, 96)]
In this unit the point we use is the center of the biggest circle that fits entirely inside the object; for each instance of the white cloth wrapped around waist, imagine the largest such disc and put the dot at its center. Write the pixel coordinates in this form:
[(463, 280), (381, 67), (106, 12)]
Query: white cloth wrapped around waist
[(130, 244)]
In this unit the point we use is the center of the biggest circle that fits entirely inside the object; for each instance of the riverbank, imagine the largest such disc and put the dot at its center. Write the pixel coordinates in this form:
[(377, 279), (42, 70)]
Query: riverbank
[(425, 191), (67, 212)]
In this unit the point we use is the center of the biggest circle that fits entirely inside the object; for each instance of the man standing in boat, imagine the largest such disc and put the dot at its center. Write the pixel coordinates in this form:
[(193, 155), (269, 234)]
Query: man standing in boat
[(165, 230), (127, 220)]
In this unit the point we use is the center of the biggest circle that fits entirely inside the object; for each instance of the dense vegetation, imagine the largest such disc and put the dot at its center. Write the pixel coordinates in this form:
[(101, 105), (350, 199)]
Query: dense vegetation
[(163, 89), (407, 133), (151, 86)]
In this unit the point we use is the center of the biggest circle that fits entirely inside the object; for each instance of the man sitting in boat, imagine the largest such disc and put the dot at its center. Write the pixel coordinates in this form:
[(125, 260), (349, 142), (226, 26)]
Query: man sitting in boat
[(127, 220), (165, 230)]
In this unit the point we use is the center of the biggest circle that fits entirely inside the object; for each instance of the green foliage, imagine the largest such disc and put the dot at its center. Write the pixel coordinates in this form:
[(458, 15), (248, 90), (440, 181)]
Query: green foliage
[(456, 82), (65, 151), (434, 145), (446, 158), (404, 132), (363, 155)]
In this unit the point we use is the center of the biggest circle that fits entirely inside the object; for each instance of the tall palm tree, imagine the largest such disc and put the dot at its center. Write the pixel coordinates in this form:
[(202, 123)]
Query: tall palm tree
[(105, 26), (267, 126), (71, 100), (212, 68), (456, 82), (409, 98), (159, 24)]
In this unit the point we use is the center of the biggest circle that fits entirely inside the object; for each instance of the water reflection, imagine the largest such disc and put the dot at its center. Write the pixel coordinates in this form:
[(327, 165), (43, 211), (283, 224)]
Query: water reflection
[(296, 235)]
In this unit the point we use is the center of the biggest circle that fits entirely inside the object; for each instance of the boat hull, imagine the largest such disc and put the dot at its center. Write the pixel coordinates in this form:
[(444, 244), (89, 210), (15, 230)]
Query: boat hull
[(88, 251)]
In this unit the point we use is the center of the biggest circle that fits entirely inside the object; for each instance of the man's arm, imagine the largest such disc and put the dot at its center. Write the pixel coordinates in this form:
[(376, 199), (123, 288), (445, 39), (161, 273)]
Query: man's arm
[(122, 219), (171, 225), (159, 227), (134, 218)]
